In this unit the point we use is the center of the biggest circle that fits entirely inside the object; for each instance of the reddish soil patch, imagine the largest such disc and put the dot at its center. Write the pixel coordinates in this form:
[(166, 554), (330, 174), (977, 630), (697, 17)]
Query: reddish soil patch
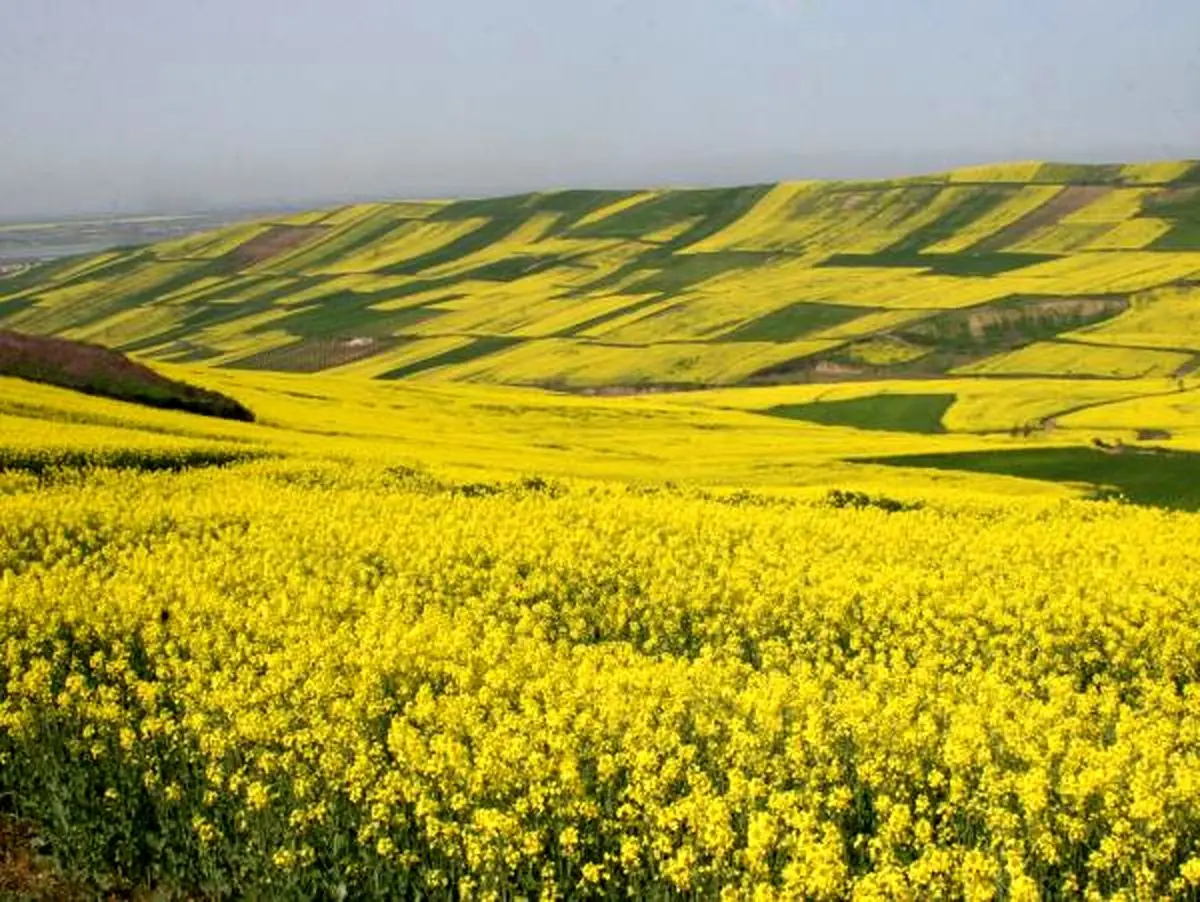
[(96, 370), (1064, 204), (273, 242)]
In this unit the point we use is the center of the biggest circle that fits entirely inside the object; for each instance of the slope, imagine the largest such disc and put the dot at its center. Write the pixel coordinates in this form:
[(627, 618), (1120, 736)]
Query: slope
[(1027, 269)]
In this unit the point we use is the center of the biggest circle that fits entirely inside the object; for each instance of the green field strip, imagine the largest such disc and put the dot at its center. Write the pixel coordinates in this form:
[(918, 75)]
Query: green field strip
[(233, 288), (506, 206), (510, 269), (105, 300), (1079, 174), (652, 261), (718, 207), (573, 205), (1181, 207), (730, 206), (659, 259), (1184, 236), (979, 202), (185, 353), (487, 234), (340, 243), (922, 414), (205, 316), (480, 347), (40, 275), (312, 355), (795, 321), (13, 306), (684, 271), (1155, 477), (348, 314), (1010, 322), (965, 264), (585, 326), (891, 212), (112, 269)]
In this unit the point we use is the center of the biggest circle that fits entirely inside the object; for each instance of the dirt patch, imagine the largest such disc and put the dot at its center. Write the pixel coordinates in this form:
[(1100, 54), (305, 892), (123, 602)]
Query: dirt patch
[(314, 355), (95, 370), (1013, 322), (809, 369), (26, 874), (1188, 368), (1069, 201), (984, 322), (1153, 435), (947, 340), (273, 242)]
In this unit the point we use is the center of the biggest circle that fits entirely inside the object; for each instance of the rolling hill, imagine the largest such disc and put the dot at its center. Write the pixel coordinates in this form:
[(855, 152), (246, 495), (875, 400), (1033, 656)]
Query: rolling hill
[(828, 332), (1031, 269)]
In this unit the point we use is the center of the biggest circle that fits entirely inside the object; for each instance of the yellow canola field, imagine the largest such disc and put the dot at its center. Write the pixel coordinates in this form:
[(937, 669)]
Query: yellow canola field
[(980, 405), (697, 316), (406, 242), (1166, 318), (209, 245), (1166, 171), (998, 172), (815, 219), (520, 240), (1108, 273), (1170, 410), (1113, 206), (320, 679), (565, 363), (1049, 358), (761, 224), (1022, 203), (1132, 235), (614, 208)]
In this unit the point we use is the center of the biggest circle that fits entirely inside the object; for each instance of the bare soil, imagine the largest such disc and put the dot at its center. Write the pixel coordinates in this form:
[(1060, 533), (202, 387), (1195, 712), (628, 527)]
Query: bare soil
[(1064, 204), (273, 242), (27, 875), (979, 322), (315, 355)]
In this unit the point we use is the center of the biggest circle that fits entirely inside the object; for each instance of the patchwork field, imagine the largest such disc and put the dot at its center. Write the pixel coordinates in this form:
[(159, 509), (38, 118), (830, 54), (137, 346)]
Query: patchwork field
[(696, 288), (806, 541)]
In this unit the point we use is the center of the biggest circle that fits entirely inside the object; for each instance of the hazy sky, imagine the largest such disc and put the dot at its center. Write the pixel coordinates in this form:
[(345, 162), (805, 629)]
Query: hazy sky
[(183, 104)]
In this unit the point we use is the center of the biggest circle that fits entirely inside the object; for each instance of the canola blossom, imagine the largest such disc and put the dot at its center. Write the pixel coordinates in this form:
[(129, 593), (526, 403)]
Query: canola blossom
[(294, 679)]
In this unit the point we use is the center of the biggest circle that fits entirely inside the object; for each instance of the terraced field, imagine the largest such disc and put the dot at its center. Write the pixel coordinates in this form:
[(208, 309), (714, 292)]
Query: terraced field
[(1027, 269)]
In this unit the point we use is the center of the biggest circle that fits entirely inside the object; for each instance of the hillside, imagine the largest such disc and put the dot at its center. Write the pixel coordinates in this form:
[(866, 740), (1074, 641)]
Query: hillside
[(99, 371), (1021, 270)]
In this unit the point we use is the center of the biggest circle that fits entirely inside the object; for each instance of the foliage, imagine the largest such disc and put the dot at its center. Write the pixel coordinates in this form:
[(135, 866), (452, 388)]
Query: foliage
[(291, 680)]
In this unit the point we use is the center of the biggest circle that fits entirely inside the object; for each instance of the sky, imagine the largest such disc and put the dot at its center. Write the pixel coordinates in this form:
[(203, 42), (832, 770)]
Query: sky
[(115, 106)]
